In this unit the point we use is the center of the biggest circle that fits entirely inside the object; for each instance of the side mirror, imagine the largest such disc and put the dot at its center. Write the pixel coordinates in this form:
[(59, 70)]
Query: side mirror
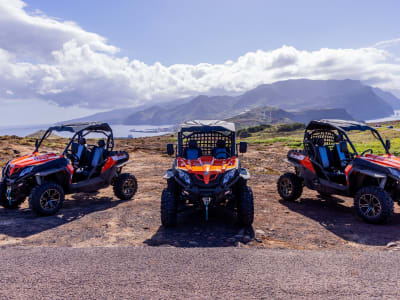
[(243, 147), (170, 149), (388, 145)]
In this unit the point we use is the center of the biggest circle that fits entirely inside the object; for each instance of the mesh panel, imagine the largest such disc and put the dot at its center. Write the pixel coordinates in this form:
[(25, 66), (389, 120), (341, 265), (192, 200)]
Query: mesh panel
[(206, 141), (327, 136)]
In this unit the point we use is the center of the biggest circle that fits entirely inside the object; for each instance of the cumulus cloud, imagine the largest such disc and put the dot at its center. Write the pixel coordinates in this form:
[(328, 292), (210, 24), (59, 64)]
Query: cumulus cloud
[(58, 61)]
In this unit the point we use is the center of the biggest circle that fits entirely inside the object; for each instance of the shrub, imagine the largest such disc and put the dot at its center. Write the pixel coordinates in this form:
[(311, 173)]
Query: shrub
[(290, 127)]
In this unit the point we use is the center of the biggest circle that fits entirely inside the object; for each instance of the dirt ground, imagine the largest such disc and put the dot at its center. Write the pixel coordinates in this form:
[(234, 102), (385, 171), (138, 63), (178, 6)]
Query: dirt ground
[(100, 219)]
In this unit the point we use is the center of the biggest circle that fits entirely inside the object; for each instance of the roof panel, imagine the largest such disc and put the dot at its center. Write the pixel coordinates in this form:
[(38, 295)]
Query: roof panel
[(76, 127), (207, 125), (338, 124)]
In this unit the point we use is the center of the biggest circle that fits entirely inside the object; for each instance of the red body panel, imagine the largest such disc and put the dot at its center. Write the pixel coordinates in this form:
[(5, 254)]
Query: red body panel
[(385, 160), (207, 168), (31, 160)]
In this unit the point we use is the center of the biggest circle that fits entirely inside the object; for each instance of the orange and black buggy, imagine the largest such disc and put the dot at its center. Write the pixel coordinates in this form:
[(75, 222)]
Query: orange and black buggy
[(207, 172), (46, 177), (330, 164)]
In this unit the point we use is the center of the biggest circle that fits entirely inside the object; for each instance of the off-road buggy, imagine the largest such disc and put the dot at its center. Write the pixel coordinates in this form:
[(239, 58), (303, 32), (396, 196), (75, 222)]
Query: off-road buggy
[(328, 165), (206, 172), (47, 177)]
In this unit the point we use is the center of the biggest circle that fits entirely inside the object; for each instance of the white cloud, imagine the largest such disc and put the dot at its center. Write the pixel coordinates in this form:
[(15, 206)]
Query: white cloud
[(49, 59)]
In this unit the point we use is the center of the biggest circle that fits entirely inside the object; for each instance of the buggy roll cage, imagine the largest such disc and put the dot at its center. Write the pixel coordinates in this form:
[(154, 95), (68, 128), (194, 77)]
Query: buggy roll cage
[(206, 140), (342, 127), (206, 133), (80, 130)]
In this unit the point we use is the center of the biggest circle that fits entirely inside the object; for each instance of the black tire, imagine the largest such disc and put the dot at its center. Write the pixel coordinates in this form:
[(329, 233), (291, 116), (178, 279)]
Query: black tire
[(373, 205), (125, 186), (289, 187), (15, 203), (46, 199), (246, 206), (168, 208)]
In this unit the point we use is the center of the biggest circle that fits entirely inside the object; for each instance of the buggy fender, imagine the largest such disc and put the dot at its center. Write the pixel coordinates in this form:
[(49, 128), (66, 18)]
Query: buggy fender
[(354, 180), (65, 170), (52, 171)]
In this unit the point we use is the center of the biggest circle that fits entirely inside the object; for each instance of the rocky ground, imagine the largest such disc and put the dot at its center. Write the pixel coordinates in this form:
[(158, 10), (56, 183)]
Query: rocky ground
[(93, 220)]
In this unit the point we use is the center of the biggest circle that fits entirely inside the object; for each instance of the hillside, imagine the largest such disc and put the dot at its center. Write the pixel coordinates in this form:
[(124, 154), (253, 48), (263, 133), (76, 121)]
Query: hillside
[(361, 102), (270, 115)]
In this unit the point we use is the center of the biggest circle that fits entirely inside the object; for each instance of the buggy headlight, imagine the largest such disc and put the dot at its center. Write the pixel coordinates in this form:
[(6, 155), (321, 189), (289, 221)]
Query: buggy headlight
[(395, 173), (25, 171), (228, 176), (184, 176)]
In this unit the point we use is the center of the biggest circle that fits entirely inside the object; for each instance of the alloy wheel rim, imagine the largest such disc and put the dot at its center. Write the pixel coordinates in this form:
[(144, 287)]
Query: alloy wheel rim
[(50, 199), (128, 186), (286, 187), (370, 206)]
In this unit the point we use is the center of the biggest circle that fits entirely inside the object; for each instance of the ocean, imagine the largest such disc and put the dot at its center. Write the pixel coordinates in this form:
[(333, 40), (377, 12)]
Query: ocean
[(122, 131)]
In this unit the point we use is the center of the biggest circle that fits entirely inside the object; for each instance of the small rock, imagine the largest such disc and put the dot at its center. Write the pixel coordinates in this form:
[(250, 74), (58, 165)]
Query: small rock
[(392, 244), (260, 232)]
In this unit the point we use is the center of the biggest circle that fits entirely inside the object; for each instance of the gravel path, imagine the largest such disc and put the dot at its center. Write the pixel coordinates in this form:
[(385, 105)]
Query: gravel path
[(168, 272)]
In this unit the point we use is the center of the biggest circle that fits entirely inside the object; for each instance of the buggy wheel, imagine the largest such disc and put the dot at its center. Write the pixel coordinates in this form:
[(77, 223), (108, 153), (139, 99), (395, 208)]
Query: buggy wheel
[(373, 205), (168, 208), (289, 186), (46, 199), (246, 206), (15, 203), (125, 186)]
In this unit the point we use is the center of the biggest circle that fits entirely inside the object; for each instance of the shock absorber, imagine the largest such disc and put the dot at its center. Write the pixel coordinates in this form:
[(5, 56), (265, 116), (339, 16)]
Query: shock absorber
[(206, 201)]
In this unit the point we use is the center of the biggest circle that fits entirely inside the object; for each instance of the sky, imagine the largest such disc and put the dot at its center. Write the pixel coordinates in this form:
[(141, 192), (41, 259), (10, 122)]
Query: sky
[(66, 59)]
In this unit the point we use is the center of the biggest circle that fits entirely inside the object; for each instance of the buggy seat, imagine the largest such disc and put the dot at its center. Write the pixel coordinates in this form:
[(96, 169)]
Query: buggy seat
[(193, 151)]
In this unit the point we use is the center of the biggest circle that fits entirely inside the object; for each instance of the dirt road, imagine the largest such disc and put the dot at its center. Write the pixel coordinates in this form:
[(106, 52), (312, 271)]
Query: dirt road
[(169, 272), (102, 220)]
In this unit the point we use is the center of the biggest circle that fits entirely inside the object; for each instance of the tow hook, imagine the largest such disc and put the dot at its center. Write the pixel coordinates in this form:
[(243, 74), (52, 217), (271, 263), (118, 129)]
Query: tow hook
[(206, 201), (9, 195)]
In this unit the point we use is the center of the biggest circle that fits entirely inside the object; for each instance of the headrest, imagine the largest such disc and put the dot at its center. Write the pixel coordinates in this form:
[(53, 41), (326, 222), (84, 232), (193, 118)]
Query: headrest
[(221, 144), (320, 142), (74, 147), (338, 138), (192, 144), (82, 141), (101, 143)]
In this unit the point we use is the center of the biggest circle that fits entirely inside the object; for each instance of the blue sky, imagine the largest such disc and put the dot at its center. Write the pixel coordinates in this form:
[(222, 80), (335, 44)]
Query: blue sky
[(171, 31), (67, 59)]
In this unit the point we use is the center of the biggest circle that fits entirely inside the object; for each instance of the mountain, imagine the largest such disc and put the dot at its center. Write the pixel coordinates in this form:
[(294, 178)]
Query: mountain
[(388, 97), (201, 107), (270, 115), (360, 101)]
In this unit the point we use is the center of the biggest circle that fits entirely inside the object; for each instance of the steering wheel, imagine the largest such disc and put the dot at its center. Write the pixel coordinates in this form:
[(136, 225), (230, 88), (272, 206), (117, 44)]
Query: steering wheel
[(71, 155), (365, 151), (225, 152)]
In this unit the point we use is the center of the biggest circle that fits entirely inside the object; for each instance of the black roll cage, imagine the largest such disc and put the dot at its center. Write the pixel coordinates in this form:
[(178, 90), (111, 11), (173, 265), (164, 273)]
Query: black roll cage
[(79, 134), (331, 127)]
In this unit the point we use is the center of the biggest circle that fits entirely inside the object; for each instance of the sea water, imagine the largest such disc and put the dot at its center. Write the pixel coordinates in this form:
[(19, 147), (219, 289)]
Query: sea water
[(122, 131)]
